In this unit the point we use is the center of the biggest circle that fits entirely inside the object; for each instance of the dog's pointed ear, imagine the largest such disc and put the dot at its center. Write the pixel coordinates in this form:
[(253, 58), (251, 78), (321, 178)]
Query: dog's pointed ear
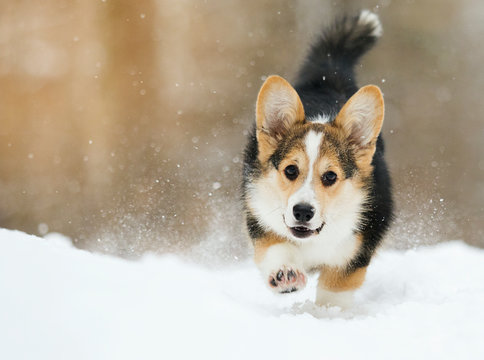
[(361, 119), (278, 109)]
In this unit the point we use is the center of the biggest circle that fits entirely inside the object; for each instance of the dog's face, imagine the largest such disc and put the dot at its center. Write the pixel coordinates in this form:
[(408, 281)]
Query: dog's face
[(315, 175)]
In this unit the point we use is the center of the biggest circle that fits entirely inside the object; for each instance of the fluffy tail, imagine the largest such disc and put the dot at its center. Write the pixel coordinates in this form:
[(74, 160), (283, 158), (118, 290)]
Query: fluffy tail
[(332, 58)]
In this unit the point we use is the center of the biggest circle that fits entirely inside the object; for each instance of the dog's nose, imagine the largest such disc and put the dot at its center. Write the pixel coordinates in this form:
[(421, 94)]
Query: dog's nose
[(303, 212)]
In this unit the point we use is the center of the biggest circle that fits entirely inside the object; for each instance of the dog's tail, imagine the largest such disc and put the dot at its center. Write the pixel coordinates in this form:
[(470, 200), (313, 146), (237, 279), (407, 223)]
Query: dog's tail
[(332, 58)]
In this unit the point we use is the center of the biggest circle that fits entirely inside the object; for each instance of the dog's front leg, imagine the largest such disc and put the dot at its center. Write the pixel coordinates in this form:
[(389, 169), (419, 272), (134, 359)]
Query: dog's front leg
[(337, 285), (280, 264)]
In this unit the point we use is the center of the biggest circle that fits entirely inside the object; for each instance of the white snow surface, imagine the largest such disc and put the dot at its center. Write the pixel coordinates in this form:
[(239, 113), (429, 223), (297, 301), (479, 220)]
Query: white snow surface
[(59, 302)]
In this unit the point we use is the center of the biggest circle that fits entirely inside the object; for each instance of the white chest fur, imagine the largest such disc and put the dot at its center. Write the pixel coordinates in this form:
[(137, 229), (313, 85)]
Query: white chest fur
[(328, 251), (311, 254)]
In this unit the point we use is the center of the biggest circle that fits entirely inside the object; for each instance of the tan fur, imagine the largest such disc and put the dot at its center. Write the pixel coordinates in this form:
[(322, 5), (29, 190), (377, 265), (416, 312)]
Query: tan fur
[(341, 189), (340, 279), (337, 279), (296, 157), (337, 132), (262, 244), (277, 103), (361, 119), (328, 160)]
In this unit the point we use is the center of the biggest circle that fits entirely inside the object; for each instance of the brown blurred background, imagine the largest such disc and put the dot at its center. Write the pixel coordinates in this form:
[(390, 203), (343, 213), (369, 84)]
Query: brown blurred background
[(122, 122)]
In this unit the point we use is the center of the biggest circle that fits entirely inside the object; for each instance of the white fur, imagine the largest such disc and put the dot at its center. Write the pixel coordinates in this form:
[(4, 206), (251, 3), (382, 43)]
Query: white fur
[(271, 210), (343, 299), (336, 244), (368, 17), (267, 206), (320, 119), (328, 249), (279, 255), (306, 193)]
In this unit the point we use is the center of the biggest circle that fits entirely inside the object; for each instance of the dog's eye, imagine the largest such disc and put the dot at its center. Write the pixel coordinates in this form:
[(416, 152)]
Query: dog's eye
[(291, 172), (329, 178)]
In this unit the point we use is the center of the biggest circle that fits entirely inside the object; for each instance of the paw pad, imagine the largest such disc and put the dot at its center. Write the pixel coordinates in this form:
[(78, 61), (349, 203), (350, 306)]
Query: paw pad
[(287, 280)]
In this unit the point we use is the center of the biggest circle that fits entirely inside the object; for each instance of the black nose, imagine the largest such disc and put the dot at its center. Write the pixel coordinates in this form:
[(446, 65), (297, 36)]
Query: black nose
[(303, 212)]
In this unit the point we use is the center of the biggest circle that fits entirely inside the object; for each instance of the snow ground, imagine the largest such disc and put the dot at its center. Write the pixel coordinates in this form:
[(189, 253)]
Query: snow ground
[(59, 302)]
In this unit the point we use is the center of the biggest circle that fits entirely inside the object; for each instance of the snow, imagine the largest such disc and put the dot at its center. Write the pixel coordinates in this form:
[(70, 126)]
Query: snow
[(59, 302)]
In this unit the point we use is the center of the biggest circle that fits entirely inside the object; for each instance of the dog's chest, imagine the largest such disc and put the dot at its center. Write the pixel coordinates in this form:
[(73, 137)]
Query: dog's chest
[(327, 251)]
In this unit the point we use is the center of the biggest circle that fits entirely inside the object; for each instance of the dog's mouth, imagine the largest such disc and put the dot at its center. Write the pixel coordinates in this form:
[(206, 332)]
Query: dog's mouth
[(302, 232)]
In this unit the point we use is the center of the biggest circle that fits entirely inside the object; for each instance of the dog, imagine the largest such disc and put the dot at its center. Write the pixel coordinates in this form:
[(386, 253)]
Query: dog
[(316, 189)]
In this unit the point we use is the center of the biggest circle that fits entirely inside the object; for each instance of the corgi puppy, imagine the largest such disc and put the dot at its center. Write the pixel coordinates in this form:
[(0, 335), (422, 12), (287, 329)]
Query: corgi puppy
[(316, 189)]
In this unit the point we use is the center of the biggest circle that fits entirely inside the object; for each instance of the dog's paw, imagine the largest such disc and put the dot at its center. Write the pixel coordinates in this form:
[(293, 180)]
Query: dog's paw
[(287, 279)]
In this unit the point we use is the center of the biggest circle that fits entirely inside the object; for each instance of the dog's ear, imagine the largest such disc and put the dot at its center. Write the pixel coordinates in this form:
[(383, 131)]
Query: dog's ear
[(361, 119), (278, 109)]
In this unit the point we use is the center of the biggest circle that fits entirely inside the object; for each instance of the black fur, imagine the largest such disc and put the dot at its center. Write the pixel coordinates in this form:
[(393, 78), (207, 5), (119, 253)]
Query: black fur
[(325, 82), (255, 229), (379, 214), (285, 146), (345, 156)]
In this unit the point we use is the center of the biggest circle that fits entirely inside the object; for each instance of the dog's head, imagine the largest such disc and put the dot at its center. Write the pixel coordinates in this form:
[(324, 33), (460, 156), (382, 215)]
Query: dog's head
[(315, 175)]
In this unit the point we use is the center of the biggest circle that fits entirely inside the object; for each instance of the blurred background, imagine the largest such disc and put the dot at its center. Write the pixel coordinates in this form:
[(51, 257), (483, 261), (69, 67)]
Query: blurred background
[(122, 123)]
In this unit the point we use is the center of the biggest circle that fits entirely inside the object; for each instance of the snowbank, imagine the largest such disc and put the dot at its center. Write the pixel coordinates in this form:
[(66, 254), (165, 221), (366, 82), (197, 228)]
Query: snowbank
[(58, 302)]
